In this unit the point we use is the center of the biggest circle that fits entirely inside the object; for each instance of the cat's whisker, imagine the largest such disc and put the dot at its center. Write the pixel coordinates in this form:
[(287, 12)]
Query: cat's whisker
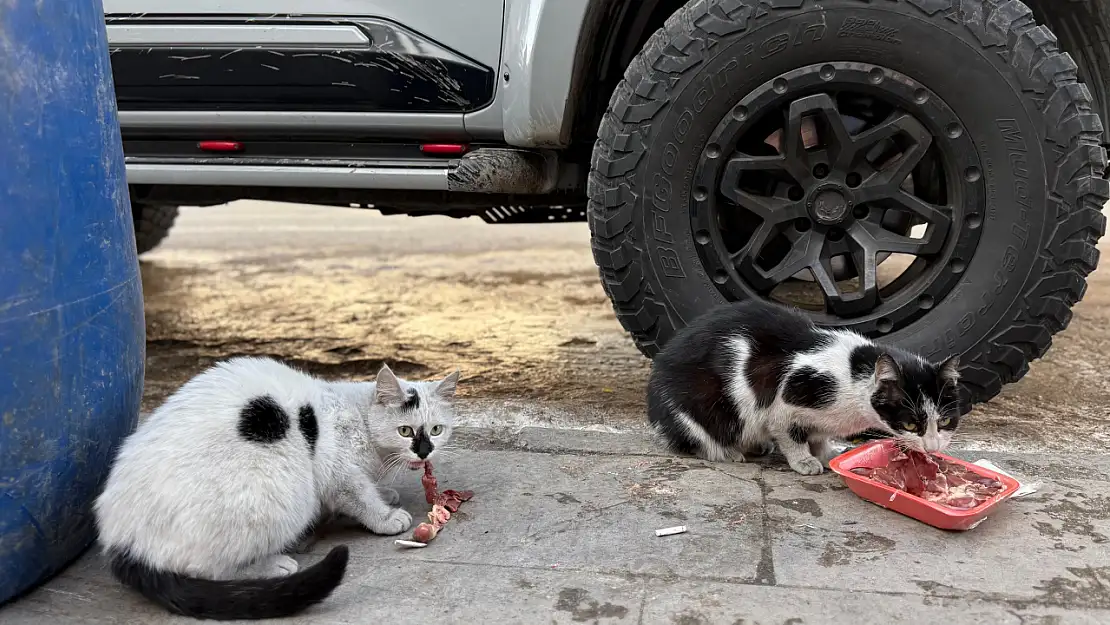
[(395, 463), (955, 439), (389, 468), (386, 462), (383, 477), (395, 473), (906, 443), (944, 408)]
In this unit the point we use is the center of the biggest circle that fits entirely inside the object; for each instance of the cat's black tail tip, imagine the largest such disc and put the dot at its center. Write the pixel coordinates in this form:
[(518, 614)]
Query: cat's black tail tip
[(335, 563), (234, 599)]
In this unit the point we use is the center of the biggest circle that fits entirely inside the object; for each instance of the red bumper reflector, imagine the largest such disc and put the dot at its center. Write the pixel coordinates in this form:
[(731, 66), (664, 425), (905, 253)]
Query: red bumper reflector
[(220, 146), (444, 148)]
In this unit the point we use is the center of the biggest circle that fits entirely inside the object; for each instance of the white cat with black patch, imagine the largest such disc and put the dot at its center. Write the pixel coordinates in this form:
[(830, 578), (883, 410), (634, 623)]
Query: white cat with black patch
[(208, 495), (747, 374)]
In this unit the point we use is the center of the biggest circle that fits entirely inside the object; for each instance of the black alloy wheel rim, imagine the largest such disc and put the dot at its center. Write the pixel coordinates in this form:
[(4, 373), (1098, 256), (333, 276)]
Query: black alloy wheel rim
[(828, 169)]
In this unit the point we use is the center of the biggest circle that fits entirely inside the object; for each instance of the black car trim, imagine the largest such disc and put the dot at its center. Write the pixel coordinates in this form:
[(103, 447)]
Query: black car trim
[(397, 71)]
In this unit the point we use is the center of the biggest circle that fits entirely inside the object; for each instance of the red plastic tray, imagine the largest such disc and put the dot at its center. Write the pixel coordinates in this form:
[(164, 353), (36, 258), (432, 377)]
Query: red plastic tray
[(877, 454)]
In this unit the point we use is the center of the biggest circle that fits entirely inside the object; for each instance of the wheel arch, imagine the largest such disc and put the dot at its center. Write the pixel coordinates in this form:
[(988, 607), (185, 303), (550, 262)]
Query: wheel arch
[(612, 35), (1083, 30), (615, 30)]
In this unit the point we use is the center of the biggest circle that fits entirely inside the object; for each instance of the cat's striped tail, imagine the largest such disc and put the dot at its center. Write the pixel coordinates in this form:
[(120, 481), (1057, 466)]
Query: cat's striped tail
[(233, 599)]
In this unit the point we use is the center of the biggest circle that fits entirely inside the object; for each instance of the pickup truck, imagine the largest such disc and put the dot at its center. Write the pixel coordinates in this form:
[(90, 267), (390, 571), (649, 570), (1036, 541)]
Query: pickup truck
[(927, 172)]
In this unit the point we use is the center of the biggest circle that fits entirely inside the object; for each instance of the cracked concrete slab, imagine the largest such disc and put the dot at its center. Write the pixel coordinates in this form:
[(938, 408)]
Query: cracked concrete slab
[(562, 531), (702, 603), (598, 514), (820, 541)]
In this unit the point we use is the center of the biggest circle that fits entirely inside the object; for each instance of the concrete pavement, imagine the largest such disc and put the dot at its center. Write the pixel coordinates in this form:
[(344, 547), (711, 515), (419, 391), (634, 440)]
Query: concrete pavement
[(561, 530)]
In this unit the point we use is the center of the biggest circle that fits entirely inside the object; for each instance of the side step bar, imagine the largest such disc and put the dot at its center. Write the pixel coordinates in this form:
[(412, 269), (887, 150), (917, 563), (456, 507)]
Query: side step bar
[(486, 170), (331, 177)]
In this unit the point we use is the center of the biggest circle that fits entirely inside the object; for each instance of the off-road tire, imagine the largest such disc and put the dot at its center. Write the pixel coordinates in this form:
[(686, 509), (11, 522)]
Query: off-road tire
[(1013, 317), (152, 224)]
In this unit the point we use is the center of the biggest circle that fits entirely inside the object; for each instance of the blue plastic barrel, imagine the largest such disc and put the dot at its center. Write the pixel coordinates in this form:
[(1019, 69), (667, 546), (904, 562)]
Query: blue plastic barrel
[(72, 339)]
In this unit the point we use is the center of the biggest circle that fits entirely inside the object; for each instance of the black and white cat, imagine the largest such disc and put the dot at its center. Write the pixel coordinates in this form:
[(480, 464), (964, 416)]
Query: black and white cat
[(748, 374), (208, 495)]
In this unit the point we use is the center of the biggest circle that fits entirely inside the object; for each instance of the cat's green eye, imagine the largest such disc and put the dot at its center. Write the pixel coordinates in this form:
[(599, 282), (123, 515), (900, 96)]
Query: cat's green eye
[(437, 430), (944, 422), (909, 427), (405, 431)]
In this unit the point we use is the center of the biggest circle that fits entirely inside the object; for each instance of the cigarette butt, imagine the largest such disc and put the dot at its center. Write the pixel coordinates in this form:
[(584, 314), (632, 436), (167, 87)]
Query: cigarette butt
[(670, 531), (892, 496), (411, 544)]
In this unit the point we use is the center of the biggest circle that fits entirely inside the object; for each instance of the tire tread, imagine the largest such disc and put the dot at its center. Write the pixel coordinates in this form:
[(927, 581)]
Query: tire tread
[(152, 224)]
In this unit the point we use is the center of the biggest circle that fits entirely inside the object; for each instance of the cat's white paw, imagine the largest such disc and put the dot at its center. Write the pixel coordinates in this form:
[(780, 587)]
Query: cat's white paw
[(397, 521), (390, 496), (282, 566), (807, 466)]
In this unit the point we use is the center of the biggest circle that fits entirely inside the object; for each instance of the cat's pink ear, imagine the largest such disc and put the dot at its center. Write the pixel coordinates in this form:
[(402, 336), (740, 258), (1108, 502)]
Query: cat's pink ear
[(446, 388), (950, 369), (886, 370), (388, 391)]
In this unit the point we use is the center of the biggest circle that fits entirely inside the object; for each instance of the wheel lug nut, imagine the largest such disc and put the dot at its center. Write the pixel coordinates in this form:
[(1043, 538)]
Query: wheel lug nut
[(821, 170)]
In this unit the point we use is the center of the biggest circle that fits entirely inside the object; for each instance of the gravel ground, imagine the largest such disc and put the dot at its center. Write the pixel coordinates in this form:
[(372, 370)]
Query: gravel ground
[(518, 308)]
